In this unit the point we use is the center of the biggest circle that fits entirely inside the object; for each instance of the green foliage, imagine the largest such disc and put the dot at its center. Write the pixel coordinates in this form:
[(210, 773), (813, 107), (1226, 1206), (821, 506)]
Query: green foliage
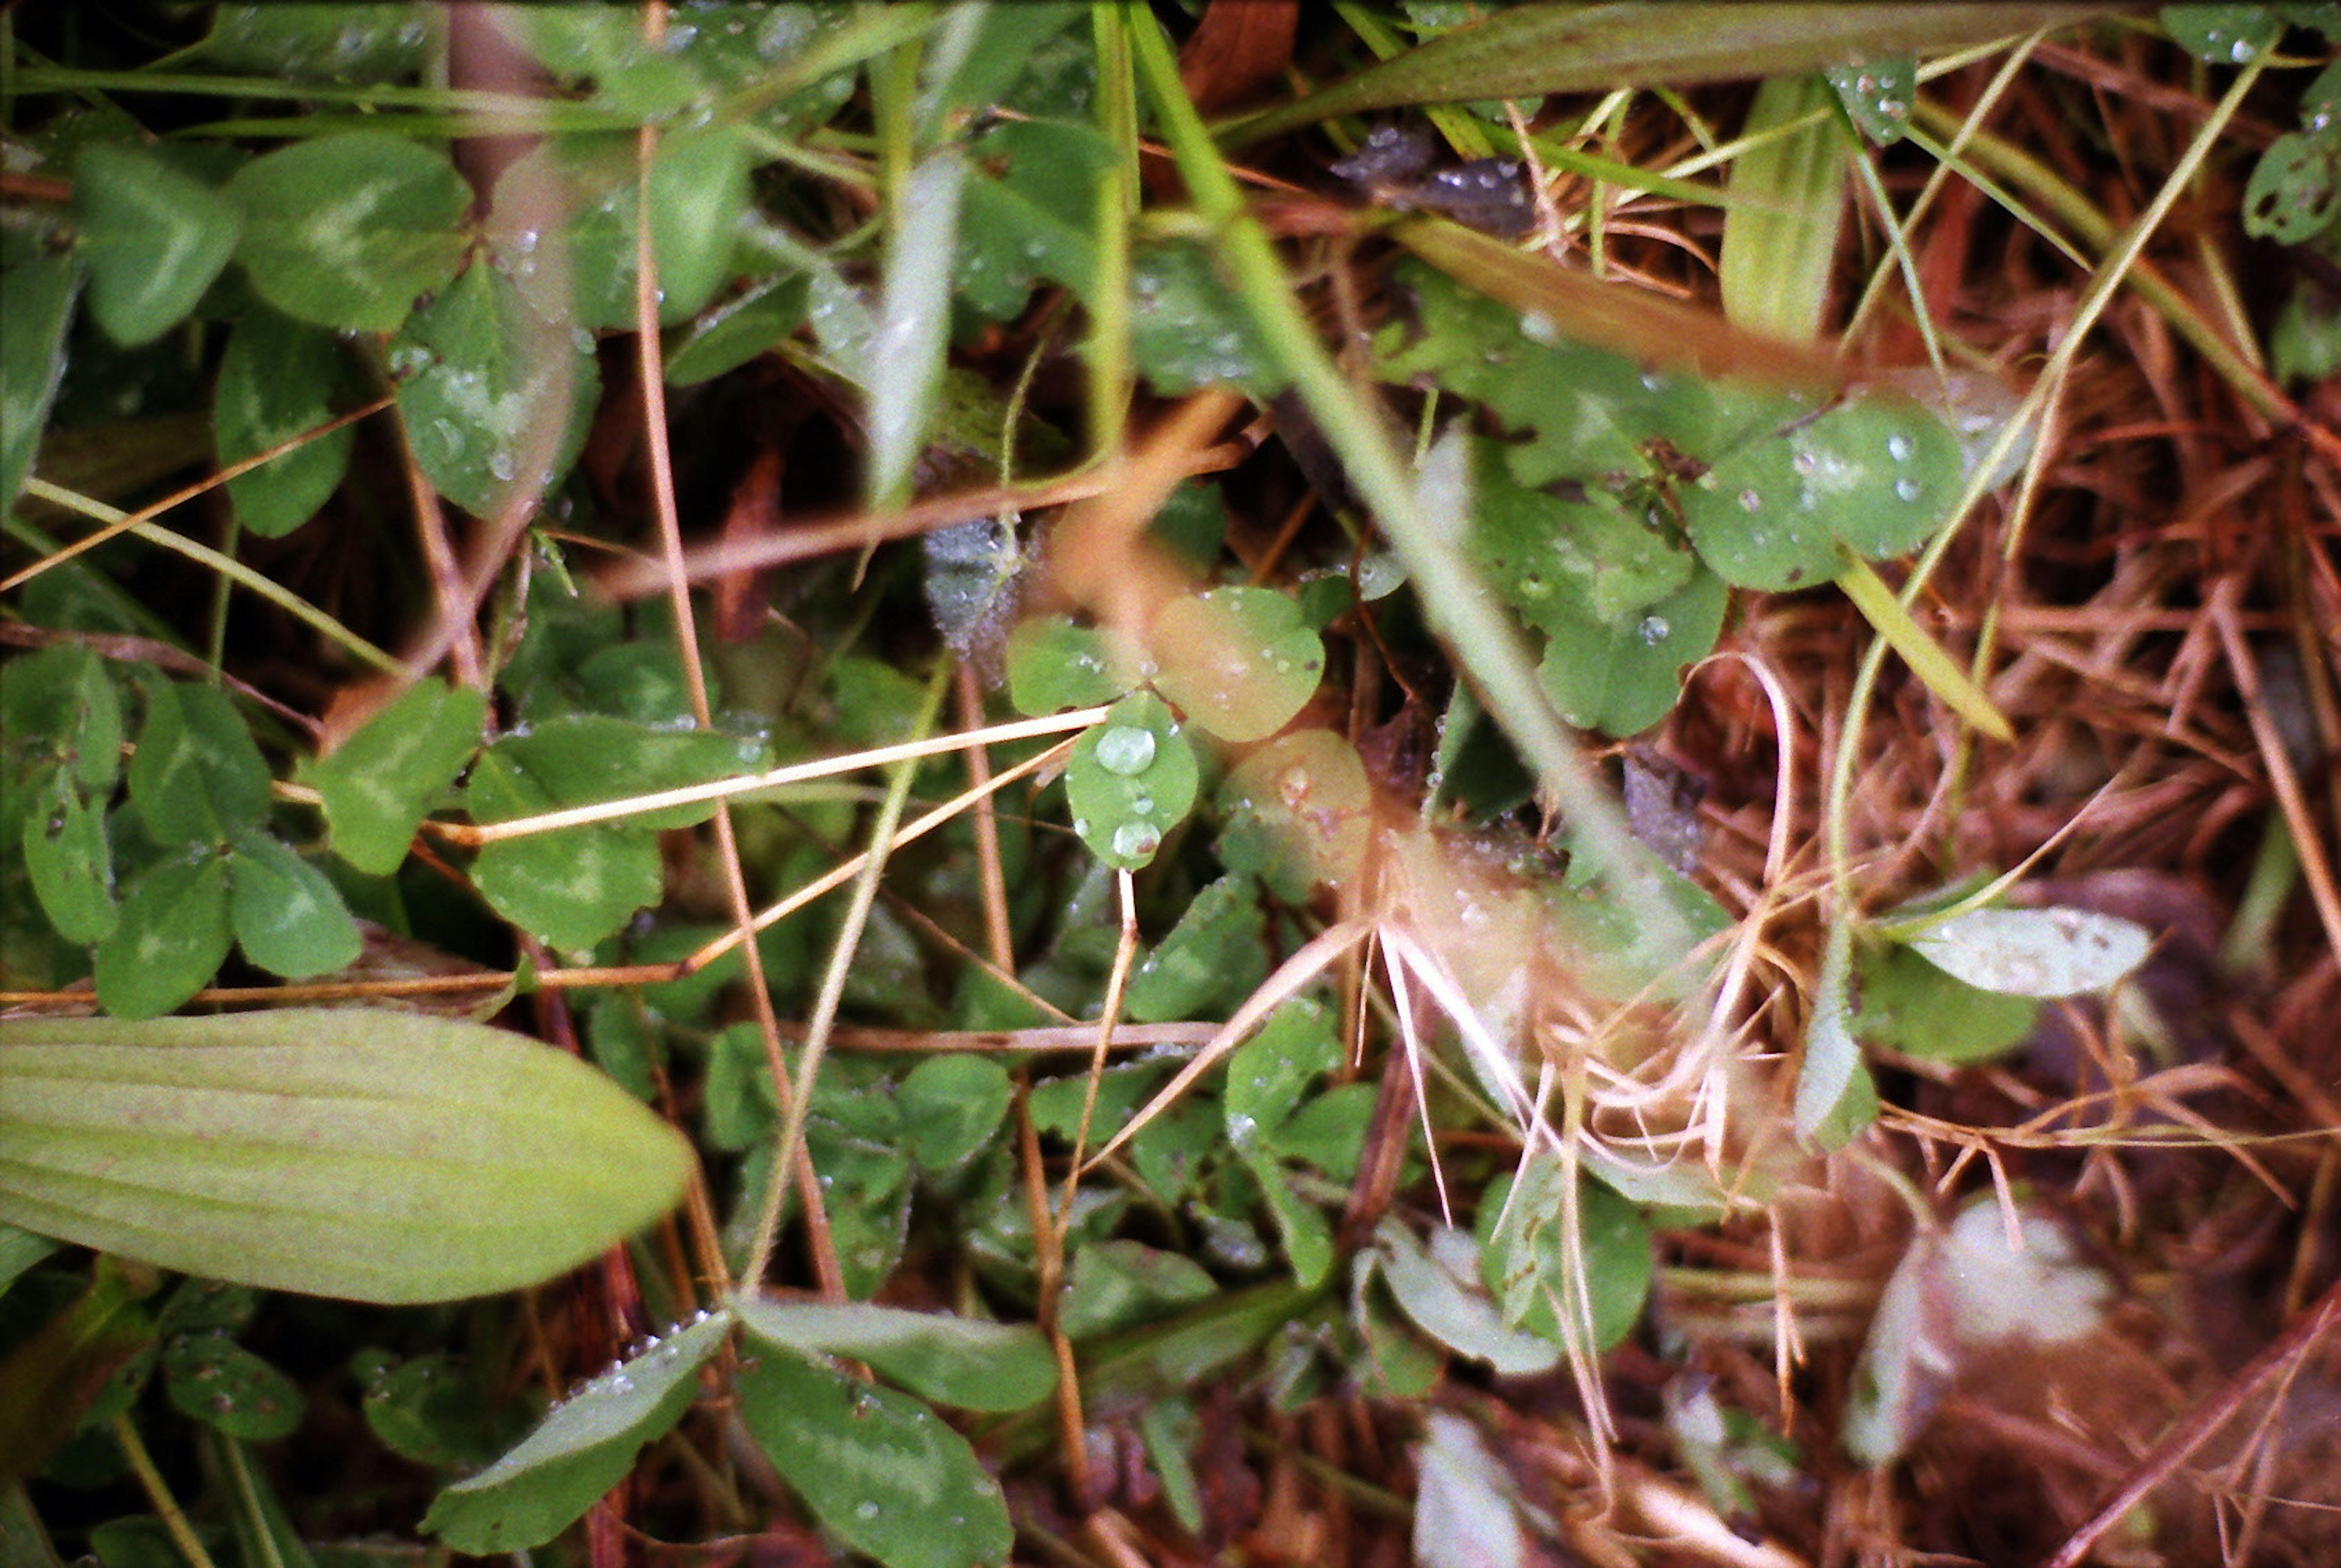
[(877, 1467), (347, 231), (379, 1156), (857, 262), (153, 236), (583, 1447), (952, 1360), (1132, 779)]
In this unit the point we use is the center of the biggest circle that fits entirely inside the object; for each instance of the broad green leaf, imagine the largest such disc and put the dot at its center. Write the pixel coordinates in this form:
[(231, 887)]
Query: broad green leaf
[(496, 398), (1119, 1284), (345, 231), (1532, 49), (736, 330), (169, 938), (1239, 661), (955, 1361), (585, 1447), (738, 1105), (788, 65), (2296, 188), (154, 238), (1623, 678), (1131, 780), (380, 783), (1054, 664), (62, 700), (371, 40), (1836, 1097), (698, 197), (1187, 328), (1525, 1254), (1430, 1287), (376, 1155), (1327, 1133), (903, 364), (19, 1250), (951, 1107), (200, 1306), (2224, 35), (433, 1410), (197, 773), (1612, 953), (1030, 211), (225, 1386), (974, 69), (1267, 1075), (565, 229), (1779, 236), (278, 378), (2035, 952), (1878, 473), (1910, 1005), (287, 916), (1297, 813), (574, 886), (1214, 955), (1877, 95), (71, 862), (570, 888), (1300, 1225), (1578, 557), (878, 1469), (36, 301)]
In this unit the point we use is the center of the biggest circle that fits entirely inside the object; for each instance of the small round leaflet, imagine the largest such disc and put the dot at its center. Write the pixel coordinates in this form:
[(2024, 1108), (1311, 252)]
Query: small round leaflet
[(1131, 781)]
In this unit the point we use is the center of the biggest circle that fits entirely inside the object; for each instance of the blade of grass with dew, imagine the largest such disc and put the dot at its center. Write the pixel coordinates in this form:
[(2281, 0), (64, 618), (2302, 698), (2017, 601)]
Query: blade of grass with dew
[(1537, 49)]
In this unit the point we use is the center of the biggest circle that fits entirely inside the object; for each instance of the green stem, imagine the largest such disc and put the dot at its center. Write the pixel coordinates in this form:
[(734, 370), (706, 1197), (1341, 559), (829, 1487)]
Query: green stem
[(158, 1493), (227, 566)]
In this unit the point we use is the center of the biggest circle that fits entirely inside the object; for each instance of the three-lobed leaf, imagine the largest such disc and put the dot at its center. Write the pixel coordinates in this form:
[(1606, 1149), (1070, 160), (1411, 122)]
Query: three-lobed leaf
[(378, 785)]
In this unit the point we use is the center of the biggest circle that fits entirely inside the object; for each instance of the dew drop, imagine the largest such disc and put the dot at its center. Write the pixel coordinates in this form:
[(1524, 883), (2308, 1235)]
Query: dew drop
[(1133, 839), (1906, 489), (1749, 501), (865, 1511), (1126, 750), (1656, 629), (1900, 447)]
